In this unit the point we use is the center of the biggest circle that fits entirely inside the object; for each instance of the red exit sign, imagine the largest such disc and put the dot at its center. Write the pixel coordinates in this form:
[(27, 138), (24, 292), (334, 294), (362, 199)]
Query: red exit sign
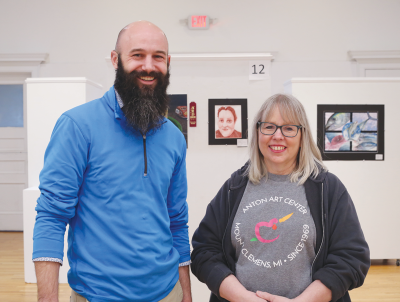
[(198, 22)]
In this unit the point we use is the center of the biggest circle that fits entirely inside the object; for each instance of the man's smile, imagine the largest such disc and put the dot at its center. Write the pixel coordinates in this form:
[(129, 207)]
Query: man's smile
[(147, 80)]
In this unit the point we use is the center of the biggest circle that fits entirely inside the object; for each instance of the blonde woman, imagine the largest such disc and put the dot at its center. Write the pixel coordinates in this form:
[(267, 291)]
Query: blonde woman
[(281, 228)]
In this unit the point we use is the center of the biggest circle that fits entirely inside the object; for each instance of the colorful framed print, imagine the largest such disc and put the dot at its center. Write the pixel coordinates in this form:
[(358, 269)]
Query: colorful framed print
[(351, 132), (177, 112)]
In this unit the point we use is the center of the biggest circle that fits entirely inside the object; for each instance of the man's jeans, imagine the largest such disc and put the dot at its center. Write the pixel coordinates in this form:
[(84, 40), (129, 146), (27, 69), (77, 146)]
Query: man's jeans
[(175, 295)]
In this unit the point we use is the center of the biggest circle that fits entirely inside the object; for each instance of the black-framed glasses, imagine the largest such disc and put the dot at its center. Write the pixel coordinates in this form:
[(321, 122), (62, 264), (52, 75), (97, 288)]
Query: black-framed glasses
[(286, 130)]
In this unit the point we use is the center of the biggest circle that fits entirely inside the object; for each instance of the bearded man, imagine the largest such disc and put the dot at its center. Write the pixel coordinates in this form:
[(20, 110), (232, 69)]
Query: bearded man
[(115, 171)]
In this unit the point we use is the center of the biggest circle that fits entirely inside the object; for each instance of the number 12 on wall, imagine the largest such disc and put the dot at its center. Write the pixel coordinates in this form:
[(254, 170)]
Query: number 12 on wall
[(261, 69), (258, 70)]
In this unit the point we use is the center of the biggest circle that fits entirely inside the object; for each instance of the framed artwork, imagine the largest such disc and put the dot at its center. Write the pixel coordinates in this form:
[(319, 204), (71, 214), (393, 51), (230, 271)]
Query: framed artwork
[(177, 112), (351, 132), (227, 121)]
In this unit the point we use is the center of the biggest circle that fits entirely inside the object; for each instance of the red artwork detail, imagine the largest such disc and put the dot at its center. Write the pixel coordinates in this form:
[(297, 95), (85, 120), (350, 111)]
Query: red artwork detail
[(181, 111), (192, 115)]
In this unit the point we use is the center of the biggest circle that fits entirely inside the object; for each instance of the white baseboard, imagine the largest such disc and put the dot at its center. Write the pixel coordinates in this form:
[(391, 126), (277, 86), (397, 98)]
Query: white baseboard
[(11, 221)]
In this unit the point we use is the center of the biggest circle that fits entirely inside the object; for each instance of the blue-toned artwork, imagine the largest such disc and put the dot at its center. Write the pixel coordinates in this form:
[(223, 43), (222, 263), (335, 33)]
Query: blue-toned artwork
[(351, 131), (11, 106), (336, 121), (367, 142), (369, 120)]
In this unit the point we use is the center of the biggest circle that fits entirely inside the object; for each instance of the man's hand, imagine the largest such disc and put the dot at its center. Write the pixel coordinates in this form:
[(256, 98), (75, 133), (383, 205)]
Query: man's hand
[(184, 279), (47, 280)]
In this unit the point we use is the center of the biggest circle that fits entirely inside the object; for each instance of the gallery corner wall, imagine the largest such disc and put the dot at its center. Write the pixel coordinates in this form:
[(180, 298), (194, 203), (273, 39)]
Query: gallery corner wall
[(371, 184)]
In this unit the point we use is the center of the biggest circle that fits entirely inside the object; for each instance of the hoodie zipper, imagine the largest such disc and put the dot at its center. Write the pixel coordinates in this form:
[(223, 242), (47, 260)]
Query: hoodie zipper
[(323, 229), (145, 154)]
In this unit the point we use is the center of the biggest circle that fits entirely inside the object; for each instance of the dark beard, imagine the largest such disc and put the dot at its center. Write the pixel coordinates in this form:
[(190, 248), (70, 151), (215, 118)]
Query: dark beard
[(144, 107)]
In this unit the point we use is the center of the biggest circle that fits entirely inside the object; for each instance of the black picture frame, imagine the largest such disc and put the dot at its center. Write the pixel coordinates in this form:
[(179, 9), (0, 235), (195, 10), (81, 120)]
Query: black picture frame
[(177, 113), (212, 104), (353, 153)]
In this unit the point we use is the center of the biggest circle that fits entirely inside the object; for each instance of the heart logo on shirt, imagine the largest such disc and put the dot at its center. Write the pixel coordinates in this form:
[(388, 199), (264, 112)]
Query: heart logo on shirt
[(270, 224)]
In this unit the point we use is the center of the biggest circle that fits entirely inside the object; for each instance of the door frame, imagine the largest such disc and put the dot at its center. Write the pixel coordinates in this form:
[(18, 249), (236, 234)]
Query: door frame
[(15, 69)]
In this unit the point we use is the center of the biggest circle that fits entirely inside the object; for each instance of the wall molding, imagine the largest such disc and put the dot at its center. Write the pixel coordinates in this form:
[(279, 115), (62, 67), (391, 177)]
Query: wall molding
[(22, 62), (23, 58), (217, 56), (342, 80), (368, 56), (375, 60), (63, 80), (222, 56)]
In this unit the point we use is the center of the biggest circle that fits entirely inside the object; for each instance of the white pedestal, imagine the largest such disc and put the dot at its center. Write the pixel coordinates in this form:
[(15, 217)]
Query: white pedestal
[(47, 99)]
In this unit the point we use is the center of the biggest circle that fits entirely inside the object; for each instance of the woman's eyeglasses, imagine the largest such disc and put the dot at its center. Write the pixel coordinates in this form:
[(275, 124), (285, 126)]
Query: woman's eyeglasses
[(286, 130)]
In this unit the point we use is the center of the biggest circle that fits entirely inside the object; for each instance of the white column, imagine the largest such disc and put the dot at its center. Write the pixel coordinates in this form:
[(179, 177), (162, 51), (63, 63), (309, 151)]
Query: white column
[(47, 99)]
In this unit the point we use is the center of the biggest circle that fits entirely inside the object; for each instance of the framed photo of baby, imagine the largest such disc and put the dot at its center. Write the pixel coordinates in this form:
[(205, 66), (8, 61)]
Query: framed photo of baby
[(351, 132), (227, 121)]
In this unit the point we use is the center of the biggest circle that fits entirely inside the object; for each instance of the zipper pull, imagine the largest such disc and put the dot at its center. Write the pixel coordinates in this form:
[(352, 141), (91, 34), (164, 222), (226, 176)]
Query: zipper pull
[(145, 154)]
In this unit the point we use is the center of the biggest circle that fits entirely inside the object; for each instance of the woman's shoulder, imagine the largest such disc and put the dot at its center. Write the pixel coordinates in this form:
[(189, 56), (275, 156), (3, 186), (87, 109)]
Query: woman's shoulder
[(239, 177), (323, 176), (331, 182), (327, 178), (332, 178)]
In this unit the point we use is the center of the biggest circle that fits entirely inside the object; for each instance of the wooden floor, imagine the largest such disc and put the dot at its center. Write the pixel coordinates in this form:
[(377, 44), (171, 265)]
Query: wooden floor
[(382, 283)]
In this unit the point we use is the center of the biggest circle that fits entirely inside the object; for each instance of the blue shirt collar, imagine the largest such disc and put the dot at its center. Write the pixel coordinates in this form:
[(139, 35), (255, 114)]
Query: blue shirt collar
[(119, 100)]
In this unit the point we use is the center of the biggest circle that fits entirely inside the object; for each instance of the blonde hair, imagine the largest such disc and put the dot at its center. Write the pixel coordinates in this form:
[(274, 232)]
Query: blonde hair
[(309, 161)]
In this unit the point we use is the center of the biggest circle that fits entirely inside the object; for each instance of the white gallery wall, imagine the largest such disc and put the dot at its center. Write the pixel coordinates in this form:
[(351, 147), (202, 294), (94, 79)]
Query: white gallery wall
[(311, 38), (371, 184)]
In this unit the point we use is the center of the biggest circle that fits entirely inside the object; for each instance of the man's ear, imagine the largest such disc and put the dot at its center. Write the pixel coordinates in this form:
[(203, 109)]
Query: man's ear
[(169, 60), (114, 59)]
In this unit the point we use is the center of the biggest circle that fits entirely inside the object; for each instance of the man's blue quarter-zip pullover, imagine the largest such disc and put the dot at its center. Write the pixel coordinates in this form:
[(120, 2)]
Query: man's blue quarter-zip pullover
[(124, 198)]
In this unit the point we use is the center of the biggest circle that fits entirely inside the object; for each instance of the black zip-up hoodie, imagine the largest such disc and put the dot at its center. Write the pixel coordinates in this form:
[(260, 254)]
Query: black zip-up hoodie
[(342, 254)]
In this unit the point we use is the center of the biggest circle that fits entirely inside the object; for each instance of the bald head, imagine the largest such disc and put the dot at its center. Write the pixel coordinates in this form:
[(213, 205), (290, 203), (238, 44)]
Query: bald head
[(142, 47), (139, 28)]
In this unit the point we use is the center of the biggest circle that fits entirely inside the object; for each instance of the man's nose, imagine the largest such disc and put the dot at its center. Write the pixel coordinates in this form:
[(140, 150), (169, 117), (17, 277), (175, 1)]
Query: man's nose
[(148, 64)]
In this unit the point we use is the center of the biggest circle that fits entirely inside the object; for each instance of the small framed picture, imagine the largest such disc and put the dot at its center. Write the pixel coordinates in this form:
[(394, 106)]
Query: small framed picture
[(351, 132), (227, 121), (177, 113)]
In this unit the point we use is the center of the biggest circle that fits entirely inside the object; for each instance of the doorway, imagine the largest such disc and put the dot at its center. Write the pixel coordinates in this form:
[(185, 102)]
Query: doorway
[(13, 150)]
